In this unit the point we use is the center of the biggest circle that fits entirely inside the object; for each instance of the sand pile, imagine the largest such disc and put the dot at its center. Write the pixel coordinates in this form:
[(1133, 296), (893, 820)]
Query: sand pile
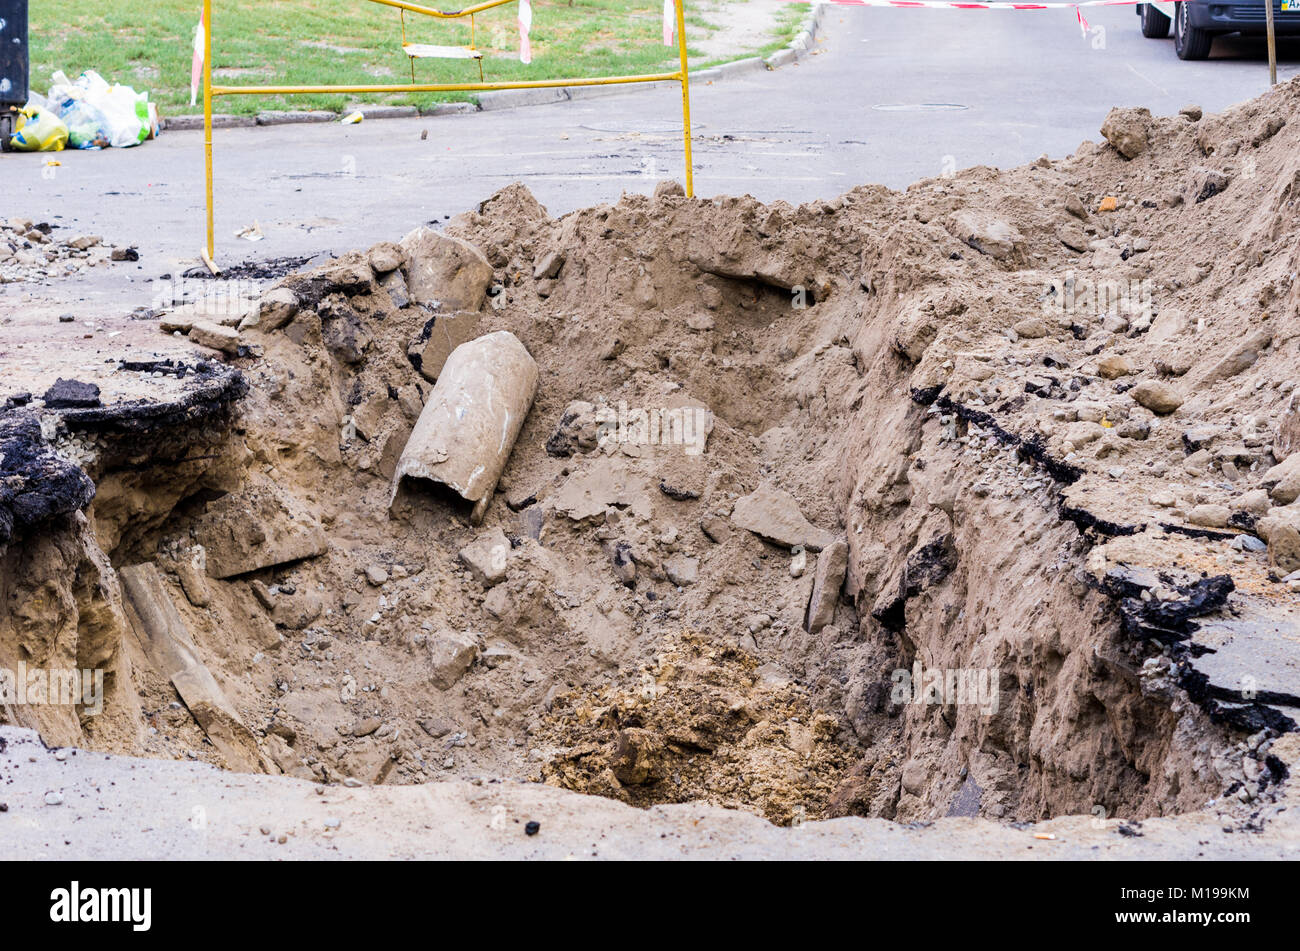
[(974, 499)]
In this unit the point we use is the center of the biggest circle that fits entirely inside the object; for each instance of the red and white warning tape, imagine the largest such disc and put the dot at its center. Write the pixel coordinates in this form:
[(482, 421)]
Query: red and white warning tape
[(525, 24), (991, 5)]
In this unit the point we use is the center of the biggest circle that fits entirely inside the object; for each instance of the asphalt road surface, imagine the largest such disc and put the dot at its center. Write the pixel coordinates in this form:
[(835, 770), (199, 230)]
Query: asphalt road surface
[(892, 95)]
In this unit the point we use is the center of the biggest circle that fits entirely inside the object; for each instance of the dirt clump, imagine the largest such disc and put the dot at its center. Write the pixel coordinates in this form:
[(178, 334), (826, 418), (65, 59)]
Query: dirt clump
[(699, 722)]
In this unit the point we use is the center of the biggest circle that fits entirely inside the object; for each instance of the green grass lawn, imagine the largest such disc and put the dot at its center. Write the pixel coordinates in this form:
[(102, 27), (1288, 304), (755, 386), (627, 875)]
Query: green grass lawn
[(302, 42)]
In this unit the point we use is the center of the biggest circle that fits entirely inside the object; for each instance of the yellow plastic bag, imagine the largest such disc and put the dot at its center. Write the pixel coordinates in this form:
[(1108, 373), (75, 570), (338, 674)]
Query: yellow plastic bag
[(39, 130)]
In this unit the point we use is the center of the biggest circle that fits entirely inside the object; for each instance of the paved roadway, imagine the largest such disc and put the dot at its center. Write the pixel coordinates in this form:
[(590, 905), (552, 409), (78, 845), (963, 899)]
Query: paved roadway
[(891, 96)]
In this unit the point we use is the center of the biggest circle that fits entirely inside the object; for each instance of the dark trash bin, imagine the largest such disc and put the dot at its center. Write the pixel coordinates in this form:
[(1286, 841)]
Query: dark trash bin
[(13, 65)]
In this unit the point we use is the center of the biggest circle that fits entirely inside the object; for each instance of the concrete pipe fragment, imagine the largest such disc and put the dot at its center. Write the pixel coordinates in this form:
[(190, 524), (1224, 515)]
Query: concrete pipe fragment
[(469, 425)]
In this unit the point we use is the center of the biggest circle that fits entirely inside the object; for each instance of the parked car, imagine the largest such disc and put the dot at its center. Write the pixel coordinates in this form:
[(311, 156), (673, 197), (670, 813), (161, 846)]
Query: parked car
[(1197, 22)]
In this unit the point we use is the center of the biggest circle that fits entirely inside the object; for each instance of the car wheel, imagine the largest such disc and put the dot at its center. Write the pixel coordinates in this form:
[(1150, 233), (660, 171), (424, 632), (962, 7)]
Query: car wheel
[(1155, 25), (1189, 42)]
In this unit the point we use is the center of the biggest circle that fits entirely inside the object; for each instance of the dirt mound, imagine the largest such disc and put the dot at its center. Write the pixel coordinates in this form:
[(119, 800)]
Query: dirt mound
[(975, 499), (700, 722)]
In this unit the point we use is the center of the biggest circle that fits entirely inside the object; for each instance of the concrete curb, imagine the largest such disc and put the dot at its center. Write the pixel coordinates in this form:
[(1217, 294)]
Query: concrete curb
[(449, 109), (277, 117), (219, 121), (375, 111), (804, 42), (735, 68), (512, 98)]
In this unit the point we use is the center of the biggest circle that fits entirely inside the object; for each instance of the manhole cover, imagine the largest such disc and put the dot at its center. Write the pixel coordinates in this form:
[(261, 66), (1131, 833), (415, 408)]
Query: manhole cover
[(919, 107)]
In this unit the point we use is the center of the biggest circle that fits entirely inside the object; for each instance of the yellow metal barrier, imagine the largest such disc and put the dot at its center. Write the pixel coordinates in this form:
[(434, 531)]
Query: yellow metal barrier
[(209, 91)]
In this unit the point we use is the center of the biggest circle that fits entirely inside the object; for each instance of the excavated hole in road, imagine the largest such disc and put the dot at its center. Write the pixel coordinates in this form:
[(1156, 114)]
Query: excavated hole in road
[(737, 625), (365, 650)]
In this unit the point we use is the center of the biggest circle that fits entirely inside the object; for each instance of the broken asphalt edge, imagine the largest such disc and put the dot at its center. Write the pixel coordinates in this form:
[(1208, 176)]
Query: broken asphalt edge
[(1169, 624), (804, 42)]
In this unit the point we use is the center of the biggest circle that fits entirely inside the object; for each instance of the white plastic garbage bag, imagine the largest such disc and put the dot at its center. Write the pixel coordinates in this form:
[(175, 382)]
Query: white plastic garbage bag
[(100, 114)]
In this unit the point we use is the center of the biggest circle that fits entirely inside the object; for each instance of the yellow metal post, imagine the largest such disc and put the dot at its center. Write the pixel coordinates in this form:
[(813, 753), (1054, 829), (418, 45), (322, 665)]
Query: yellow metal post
[(207, 129), (686, 94), (1272, 43)]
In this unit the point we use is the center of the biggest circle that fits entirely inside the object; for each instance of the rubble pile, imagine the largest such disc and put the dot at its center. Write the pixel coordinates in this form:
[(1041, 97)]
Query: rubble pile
[(975, 499), (32, 251)]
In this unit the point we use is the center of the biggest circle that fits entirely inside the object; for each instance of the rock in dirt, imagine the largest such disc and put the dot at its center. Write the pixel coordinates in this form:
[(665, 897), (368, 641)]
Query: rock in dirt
[(798, 563), (394, 284), (175, 322), (1073, 237), (167, 642), (440, 336), (1283, 480), (207, 334), (296, 611), (578, 430), (485, 557), (369, 416), (1113, 366), (349, 273), (1284, 549), (273, 310), (256, 527), (1287, 439), (717, 529), (773, 514), (620, 556), (636, 757), (1209, 516), (548, 265), (444, 270), (450, 655), (192, 570), (1241, 358), (1255, 501), (682, 570), (832, 564), (1169, 323), (1203, 184), (1031, 328), (386, 256), (1128, 130), (1157, 396), (589, 492), (986, 233)]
